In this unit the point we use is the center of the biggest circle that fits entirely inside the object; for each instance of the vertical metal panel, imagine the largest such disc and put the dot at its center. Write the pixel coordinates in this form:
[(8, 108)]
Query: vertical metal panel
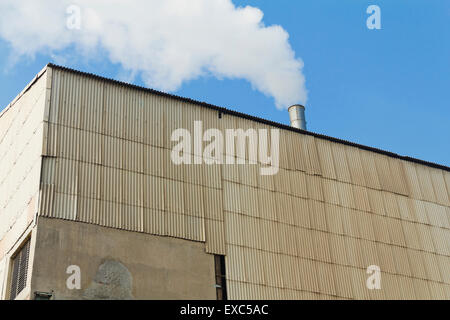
[(444, 267), (370, 171), (326, 158), (417, 264), (266, 182), (391, 287), (421, 289), (173, 196), (317, 215), (342, 277), (358, 281), (338, 249), (282, 181), (426, 186), (305, 243), (249, 200), (331, 191), (47, 200), (396, 232), (401, 261), (365, 225), (406, 287), (385, 258), (380, 227), (412, 180), (361, 198), (309, 275), (299, 158), (447, 181), (410, 233), (419, 211), (313, 156), (406, 209), (213, 203), (354, 252), (314, 187), (285, 149), (437, 291), (321, 246), (298, 186), (391, 205), (326, 278), (232, 197), (355, 166), (155, 221), (340, 163), (301, 212), (334, 219), (346, 195), (215, 237), (398, 177), (436, 215), (376, 201), (268, 205), (441, 239), (248, 174), (384, 172), (230, 172), (425, 237)]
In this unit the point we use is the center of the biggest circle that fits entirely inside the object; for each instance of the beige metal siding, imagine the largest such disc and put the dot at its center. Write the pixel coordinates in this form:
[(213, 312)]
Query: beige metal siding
[(310, 231)]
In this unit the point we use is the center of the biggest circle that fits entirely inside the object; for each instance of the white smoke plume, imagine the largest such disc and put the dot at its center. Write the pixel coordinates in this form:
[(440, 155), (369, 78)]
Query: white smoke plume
[(166, 42)]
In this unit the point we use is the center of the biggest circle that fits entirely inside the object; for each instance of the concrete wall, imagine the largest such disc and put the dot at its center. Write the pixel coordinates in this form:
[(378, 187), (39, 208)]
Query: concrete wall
[(119, 264)]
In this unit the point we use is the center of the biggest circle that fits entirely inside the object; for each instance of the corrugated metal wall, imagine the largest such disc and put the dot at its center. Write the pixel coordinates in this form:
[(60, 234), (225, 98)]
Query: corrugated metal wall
[(308, 232)]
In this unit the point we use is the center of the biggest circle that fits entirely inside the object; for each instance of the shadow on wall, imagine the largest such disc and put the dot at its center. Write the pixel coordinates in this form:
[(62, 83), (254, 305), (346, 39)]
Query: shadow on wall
[(113, 281)]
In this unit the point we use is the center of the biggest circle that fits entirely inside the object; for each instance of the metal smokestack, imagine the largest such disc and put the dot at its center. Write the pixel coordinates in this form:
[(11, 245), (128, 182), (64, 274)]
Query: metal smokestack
[(297, 115)]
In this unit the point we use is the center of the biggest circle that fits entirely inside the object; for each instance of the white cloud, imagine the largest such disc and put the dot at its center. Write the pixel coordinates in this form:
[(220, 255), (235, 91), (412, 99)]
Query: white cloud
[(166, 42)]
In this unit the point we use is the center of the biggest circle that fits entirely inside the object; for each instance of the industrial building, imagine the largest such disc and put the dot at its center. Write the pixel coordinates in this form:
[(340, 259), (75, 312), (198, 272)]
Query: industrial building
[(87, 184)]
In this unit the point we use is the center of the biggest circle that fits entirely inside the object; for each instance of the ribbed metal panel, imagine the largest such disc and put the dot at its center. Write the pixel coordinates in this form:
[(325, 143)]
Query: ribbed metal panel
[(334, 219), (326, 158), (356, 167), (340, 163), (215, 236), (398, 177), (386, 258), (426, 186), (370, 171), (361, 198)]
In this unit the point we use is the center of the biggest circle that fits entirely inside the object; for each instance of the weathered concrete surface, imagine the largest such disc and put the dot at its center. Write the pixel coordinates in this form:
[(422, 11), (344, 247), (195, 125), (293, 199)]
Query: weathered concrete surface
[(118, 264), (112, 281)]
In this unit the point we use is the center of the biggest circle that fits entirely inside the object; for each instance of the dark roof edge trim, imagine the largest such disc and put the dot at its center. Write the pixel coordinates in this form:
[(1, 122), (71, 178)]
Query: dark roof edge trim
[(253, 118)]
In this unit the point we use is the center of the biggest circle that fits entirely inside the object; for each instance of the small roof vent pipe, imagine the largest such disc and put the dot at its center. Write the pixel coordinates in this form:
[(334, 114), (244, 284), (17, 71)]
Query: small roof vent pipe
[(297, 115)]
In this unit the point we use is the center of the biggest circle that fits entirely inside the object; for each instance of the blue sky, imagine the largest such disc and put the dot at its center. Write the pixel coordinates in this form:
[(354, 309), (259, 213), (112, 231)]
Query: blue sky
[(383, 88)]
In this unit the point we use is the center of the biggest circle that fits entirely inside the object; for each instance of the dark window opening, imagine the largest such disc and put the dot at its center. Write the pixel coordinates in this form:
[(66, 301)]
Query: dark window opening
[(19, 270), (221, 281)]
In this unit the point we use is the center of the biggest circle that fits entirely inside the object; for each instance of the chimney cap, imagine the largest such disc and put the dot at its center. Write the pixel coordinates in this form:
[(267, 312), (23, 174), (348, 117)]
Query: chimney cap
[(297, 106)]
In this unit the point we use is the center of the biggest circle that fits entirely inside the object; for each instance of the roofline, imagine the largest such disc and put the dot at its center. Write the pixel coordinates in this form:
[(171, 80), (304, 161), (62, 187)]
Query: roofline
[(253, 118)]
